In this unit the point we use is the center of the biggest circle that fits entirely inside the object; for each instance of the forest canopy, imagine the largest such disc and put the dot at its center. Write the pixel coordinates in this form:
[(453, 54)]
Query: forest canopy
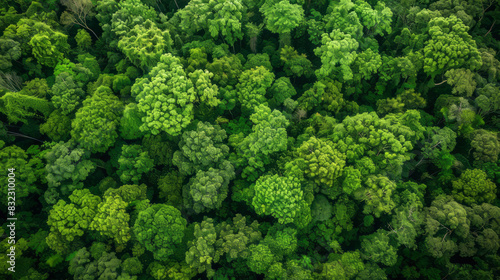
[(249, 139)]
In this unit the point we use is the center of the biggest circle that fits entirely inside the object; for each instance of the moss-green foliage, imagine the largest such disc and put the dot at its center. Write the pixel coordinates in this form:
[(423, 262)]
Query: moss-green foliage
[(250, 139), (67, 166), (324, 164), (96, 123), (57, 127), (18, 107), (252, 87), (68, 221), (13, 157), (111, 219), (133, 163), (201, 148), (474, 187), (282, 198), (145, 43), (170, 188), (160, 228), (165, 97)]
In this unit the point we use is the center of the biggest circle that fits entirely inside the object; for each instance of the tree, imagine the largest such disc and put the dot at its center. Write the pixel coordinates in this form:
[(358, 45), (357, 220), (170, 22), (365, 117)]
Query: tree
[(252, 88), (160, 228), (96, 123), (324, 164), (226, 70), (164, 97), (145, 44), (376, 248), (66, 94), (67, 167), (131, 122), (474, 187), (377, 195), (234, 238), (111, 219), (133, 163), (260, 258), (281, 90), (268, 136), (282, 198), (386, 141), (170, 187), (208, 189), (462, 81), (201, 250), (80, 11), (10, 50), (19, 107), (206, 92), (295, 64), (69, 221), (201, 149), (57, 127), (486, 146), (449, 46), (13, 157), (445, 219), (337, 52), (226, 20), (49, 48), (282, 17)]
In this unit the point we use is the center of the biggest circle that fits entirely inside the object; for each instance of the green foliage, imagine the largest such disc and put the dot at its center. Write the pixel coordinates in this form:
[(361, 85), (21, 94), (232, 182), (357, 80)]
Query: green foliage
[(133, 163), (252, 87), (226, 70), (282, 17), (69, 221), (145, 43), (486, 146), (282, 198), (165, 97), (281, 90), (131, 122), (66, 95), (234, 239), (160, 228), (324, 164), (337, 52), (227, 16), (449, 46), (376, 248), (295, 64), (206, 92), (48, 47), (95, 124), (201, 148), (260, 258), (201, 250), (268, 136), (17, 158), (111, 219), (208, 189), (83, 39), (358, 139), (19, 107), (377, 195), (67, 166), (10, 50), (386, 141), (462, 81), (474, 187)]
